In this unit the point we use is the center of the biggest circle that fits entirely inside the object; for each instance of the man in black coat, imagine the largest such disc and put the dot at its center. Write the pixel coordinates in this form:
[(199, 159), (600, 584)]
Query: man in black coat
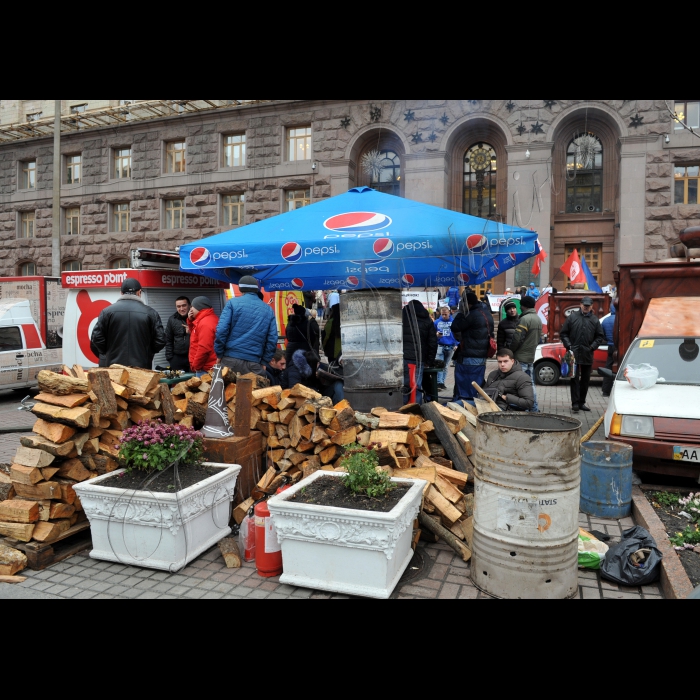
[(582, 334), (419, 349), (177, 337), (128, 332), (506, 327), (509, 386)]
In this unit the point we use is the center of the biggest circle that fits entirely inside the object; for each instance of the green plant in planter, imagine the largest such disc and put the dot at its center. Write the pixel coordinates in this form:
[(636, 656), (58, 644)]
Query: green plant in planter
[(363, 478), (154, 445)]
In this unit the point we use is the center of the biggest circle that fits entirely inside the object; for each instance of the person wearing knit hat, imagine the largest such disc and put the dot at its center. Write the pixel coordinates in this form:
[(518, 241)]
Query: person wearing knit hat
[(527, 336), (246, 337), (202, 322)]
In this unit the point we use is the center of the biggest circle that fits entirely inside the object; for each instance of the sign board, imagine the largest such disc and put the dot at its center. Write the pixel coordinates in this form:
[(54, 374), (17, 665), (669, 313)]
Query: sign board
[(542, 308), (428, 299), (495, 300)]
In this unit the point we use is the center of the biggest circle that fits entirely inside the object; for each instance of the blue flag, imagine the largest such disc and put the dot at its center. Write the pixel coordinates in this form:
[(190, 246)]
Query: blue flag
[(591, 283)]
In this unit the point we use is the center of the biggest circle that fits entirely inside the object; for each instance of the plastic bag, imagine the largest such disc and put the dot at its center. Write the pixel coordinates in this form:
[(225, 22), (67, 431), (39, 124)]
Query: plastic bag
[(568, 366), (591, 551), (642, 376), (246, 537), (634, 561)]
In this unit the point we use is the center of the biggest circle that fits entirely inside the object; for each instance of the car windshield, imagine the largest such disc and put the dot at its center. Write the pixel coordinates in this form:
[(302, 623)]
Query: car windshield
[(677, 359)]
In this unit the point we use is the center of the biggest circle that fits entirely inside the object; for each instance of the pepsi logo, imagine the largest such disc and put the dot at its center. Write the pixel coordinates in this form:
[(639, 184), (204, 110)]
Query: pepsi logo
[(352, 282), (464, 278), (495, 264), (408, 279), (512, 257), (200, 257), (357, 222), (292, 252), (297, 283), (383, 247), (477, 244)]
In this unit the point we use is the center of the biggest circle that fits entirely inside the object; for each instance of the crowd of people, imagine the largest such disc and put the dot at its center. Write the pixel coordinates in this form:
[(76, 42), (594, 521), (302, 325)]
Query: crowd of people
[(244, 338)]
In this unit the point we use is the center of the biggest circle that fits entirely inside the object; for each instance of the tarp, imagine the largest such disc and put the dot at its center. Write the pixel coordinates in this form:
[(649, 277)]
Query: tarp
[(362, 239)]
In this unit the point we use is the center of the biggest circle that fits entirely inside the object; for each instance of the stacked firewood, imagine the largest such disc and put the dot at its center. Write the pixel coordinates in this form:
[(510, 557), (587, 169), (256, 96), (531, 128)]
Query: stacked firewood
[(81, 418)]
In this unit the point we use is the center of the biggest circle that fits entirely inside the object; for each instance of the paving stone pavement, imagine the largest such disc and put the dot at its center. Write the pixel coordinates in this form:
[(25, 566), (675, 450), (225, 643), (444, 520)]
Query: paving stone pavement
[(442, 575)]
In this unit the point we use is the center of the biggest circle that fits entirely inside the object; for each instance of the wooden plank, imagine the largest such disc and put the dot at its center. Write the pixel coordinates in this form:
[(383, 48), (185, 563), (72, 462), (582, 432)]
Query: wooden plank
[(447, 439), (60, 384), (399, 436), (453, 476), (244, 406), (19, 511), (76, 417), (455, 420), (29, 457), (40, 443), (19, 531), (486, 397), (427, 473), (40, 491), (470, 415), (448, 490), (54, 432), (67, 401), (394, 421), (464, 441), (483, 406), (443, 505)]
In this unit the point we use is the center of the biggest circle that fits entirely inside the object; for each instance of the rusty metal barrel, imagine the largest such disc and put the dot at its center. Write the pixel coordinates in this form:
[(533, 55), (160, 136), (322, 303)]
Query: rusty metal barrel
[(527, 480), (372, 341)]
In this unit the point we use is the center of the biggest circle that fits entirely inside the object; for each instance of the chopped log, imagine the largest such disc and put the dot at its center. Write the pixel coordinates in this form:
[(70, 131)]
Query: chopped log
[(121, 392), (453, 476), (306, 431), (448, 440), (11, 561), (466, 444), (470, 415), (392, 421), (329, 454), (67, 401), (104, 464), (121, 422), (301, 391), (318, 434), (111, 437), (429, 524), (345, 437), (181, 389), (326, 415), (76, 417), (469, 505), (25, 475), (140, 381), (118, 375), (198, 413), (404, 437), (436, 450), (56, 433), (188, 422), (40, 491), (260, 394), (48, 472), (40, 443), (456, 421), (44, 509), (80, 439), (74, 469), (378, 411), (240, 511), (7, 491), (448, 490), (29, 457), (305, 446), (139, 414), (363, 439), (18, 531), (68, 495), (342, 405), (19, 511), (295, 427), (410, 408), (101, 386), (343, 420), (483, 406), (51, 531), (230, 552), (443, 505), (60, 510), (201, 398), (60, 384), (429, 474), (5, 477), (70, 371), (87, 461)]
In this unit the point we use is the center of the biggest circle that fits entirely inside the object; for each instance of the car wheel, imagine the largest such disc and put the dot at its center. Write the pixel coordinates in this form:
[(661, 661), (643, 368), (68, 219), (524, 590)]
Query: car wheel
[(547, 373)]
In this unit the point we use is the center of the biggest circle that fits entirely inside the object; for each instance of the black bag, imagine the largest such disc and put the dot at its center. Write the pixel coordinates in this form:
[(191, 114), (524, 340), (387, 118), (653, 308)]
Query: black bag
[(618, 565)]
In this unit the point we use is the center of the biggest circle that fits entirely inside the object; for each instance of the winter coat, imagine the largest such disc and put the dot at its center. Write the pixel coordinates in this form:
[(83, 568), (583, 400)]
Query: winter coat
[(533, 292), (276, 376), (299, 371), (202, 335), (302, 334), (527, 336), (475, 329), (247, 330), (608, 325), (445, 327), (506, 328), (177, 340), (331, 335), (515, 385), (582, 335), (128, 333), (419, 336)]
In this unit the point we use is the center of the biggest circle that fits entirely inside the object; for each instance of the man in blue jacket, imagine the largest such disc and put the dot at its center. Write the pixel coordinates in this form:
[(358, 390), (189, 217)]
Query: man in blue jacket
[(446, 343), (246, 337), (608, 328)]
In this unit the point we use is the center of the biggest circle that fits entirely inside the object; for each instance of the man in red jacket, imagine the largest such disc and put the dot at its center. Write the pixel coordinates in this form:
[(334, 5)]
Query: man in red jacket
[(202, 322)]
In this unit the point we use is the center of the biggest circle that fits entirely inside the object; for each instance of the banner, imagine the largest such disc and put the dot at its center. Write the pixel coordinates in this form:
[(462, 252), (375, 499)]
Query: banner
[(428, 299), (495, 300), (542, 308)]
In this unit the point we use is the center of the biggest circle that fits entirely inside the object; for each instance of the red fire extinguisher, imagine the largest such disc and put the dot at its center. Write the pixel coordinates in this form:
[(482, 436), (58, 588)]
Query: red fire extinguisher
[(247, 537), (268, 555)]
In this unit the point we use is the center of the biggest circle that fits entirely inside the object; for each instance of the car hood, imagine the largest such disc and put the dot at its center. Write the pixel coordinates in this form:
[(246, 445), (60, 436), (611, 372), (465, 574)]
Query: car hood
[(662, 400)]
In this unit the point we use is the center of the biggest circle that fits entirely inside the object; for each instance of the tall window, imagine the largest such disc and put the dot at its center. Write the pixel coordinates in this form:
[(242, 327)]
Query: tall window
[(122, 163), (299, 143), (688, 111), (73, 221), (120, 218), (386, 175), (480, 169), (26, 228), (119, 264), (233, 209), (592, 254), (686, 184), (297, 199), (234, 151), (29, 175), (175, 157), (72, 266), (584, 175), (73, 168), (175, 213), (27, 269)]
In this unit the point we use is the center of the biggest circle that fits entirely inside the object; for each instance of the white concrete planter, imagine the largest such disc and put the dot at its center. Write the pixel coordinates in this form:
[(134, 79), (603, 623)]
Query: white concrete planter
[(344, 550), (158, 530)]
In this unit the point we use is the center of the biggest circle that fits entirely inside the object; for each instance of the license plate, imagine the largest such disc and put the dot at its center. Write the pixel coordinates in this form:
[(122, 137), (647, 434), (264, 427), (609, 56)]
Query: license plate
[(686, 454)]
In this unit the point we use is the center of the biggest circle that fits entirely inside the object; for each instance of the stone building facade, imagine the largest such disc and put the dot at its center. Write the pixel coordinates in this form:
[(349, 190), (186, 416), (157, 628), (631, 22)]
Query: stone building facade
[(616, 179)]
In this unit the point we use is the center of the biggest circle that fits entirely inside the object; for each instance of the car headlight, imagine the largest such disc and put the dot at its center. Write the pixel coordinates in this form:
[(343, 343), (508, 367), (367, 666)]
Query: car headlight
[(637, 426)]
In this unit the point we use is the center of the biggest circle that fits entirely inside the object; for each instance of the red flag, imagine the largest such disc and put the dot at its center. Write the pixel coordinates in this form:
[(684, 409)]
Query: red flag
[(539, 259), (573, 270)]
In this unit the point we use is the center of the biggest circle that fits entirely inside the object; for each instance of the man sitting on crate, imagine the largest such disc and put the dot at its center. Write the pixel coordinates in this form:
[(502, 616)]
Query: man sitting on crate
[(509, 386)]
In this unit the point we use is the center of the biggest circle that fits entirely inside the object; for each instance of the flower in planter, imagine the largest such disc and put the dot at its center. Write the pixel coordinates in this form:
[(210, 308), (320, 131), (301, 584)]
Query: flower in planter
[(154, 445), (363, 477)]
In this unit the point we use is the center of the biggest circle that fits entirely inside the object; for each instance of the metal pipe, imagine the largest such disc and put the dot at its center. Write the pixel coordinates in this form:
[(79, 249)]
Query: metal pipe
[(56, 212)]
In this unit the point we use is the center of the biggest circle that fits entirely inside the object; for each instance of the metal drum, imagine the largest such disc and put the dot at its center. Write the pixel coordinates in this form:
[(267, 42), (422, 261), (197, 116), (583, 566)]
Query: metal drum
[(372, 341), (526, 496), (606, 479)]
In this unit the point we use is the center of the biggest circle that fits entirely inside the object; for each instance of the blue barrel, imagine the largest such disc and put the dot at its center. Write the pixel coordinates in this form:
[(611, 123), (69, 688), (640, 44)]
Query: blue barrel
[(606, 479)]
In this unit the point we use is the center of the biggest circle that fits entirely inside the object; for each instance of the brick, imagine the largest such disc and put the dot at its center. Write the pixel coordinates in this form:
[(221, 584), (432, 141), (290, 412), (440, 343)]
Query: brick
[(468, 593), (450, 591), (590, 594), (438, 571), (419, 591)]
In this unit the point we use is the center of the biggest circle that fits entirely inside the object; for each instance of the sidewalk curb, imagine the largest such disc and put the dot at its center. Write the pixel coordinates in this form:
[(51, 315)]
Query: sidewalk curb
[(674, 581)]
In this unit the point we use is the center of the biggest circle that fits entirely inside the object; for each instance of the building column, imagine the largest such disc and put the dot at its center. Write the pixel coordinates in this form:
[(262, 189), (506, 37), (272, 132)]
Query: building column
[(530, 196), (426, 177), (629, 243)]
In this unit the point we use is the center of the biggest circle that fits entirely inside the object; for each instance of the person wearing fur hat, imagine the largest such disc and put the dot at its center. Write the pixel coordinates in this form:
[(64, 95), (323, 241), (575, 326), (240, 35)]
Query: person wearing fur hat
[(302, 332), (246, 337), (202, 322), (302, 370), (526, 338)]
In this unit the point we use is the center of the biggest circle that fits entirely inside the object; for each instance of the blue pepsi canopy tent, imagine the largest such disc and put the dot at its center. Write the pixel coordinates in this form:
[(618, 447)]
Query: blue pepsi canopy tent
[(362, 239)]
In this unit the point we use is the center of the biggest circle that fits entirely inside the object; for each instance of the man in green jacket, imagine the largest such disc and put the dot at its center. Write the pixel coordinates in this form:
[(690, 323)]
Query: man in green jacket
[(526, 339)]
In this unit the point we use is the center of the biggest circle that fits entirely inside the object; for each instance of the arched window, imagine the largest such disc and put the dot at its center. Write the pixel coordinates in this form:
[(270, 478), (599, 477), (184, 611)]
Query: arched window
[(119, 263), (384, 169), (480, 168), (27, 269), (72, 266), (584, 175)]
